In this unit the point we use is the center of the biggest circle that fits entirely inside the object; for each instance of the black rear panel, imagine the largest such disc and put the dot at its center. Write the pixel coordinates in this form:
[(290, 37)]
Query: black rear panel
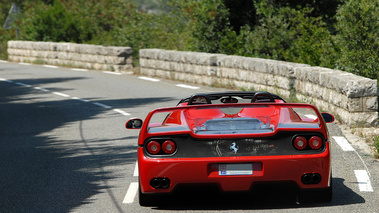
[(280, 144)]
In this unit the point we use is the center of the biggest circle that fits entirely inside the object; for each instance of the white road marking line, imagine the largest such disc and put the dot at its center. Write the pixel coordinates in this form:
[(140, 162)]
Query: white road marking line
[(131, 193), (101, 105), (136, 170), (67, 96), (50, 66), (112, 73), (80, 99), (22, 84), (42, 89), (363, 180), (21, 63), (80, 70), (343, 143), (187, 86), (149, 79), (2, 61), (121, 112), (61, 94)]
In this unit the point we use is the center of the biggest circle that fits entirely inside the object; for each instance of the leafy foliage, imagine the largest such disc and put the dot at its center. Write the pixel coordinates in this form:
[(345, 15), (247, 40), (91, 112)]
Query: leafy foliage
[(358, 37), (329, 33)]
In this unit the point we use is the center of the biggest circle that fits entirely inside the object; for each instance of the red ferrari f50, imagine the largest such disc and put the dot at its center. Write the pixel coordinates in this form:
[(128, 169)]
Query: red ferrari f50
[(236, 140)]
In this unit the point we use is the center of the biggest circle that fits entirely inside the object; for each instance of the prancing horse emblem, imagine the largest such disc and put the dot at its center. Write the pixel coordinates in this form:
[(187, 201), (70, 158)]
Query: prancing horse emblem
[(234, 148)]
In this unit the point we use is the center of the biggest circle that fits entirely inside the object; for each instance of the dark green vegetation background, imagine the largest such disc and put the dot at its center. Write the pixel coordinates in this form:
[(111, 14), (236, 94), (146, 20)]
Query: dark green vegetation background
[(336, 34)]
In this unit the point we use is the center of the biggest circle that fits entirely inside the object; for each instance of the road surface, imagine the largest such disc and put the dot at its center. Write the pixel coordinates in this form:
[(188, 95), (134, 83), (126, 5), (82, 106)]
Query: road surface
[(64, 148)]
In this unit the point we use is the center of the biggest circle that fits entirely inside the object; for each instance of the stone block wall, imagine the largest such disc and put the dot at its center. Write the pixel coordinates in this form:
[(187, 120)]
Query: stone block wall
[(352, 99), (70, 54)]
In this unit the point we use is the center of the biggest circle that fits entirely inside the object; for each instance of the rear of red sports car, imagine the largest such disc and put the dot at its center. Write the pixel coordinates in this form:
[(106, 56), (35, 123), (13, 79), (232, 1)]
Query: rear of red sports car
[(234, 146)]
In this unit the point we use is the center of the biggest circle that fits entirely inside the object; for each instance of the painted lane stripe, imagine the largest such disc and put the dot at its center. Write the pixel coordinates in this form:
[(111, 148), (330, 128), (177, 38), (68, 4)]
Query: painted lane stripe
[(135, 174), (131, 193), (2, 61), (149, 79), (61, 94), (80, 70), (121, 112), (22, 84), (6, 80), (80, 99), (363, 180), (101, 105), (343, 143), (187, 86), (67, 96), (112, 73), (22, 63), (42, 89), (50, 66)]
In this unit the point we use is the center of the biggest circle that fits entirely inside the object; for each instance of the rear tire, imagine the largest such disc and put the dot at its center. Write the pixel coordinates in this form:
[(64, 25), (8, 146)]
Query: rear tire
[(148, 199), (320, 195), (326, 195)]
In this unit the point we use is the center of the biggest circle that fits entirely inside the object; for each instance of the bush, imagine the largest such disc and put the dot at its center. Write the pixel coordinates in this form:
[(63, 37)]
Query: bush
[(358, 37), (51, 23), (303, 32), (288, 34)]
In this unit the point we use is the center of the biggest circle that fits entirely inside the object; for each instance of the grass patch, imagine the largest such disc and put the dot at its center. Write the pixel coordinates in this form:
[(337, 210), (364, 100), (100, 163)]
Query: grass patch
[(376, 145)]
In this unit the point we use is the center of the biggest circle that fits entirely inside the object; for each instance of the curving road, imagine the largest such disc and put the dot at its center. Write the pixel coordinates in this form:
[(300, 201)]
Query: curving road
[(64, 148)]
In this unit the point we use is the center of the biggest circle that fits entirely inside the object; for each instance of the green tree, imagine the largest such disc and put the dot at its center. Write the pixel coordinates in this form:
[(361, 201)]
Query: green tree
[(50, 23), (288, 34), (148, 30), (358, 37), (312, 42), (208, 23)]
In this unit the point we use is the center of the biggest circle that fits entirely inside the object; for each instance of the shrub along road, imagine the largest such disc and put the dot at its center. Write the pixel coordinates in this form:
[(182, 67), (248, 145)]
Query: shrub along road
[(63, 147)]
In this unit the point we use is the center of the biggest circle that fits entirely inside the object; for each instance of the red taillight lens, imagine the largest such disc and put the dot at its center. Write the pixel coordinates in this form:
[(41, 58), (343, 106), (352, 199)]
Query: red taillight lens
[(153, 147), (300, 143), (168, 147), (315, 142)]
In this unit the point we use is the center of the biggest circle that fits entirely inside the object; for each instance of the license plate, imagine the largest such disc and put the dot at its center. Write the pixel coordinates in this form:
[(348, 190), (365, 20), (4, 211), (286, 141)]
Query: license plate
[(235, 169)]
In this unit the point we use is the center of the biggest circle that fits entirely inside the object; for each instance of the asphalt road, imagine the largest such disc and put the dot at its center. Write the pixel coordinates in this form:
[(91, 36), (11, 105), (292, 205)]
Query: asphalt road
[(64, 148)]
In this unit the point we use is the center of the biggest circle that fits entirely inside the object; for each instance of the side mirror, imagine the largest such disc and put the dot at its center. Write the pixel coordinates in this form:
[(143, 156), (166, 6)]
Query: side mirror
[(134, 123), (329, 118)]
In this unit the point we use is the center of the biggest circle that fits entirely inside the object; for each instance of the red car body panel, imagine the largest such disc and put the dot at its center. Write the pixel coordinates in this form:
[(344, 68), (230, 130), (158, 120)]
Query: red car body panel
[(205, 170), (187, 121), (235, 146)]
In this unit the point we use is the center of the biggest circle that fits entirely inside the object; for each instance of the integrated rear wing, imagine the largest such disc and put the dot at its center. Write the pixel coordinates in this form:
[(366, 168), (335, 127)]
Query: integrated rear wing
[(233, 120)]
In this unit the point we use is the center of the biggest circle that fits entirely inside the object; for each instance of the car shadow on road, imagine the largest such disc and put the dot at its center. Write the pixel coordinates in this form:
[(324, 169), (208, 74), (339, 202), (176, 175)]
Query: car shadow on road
[(263, 198), (45, 172)]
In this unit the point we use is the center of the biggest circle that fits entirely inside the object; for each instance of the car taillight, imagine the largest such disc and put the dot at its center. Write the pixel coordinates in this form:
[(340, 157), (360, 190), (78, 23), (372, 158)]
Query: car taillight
[(153, 147), (315, 142), (168, 147), (300, 143)]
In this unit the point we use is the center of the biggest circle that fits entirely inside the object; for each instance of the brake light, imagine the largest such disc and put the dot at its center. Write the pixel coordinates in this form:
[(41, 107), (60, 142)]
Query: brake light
[(315, 142), (153, 147), (168, 147), (300, 143)]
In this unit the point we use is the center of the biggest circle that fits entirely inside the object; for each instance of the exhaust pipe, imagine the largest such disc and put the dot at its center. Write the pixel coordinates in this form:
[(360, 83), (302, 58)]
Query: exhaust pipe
[(155, 183), (160, 183), (165, 183), (311, 178)]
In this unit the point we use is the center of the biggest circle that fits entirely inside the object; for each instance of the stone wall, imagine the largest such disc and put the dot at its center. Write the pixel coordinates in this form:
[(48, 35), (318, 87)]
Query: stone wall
[(70, 54), (352, 99)]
